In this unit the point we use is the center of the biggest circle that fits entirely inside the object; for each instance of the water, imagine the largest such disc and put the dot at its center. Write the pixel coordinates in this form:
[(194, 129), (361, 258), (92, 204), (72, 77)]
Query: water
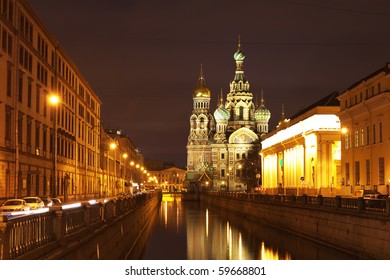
[(190, 230)]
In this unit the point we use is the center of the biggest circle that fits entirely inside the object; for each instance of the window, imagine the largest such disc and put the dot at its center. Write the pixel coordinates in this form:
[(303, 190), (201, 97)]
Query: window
[(366, 93), (8, 10), (29, 92), (8, 122), (51, 140), (368, 135), (380, 132), (38, 98), (44, 104), (346, 141), (7, 42), (9, 80), (362, 137), (347, 173), (357, 173), (37, 137), (25, 59), (381, 176), (222, 172), (379, 88), (26, 28), (361, 97), (44, 139), (368, 172), (356, 138), (373, 134), (237, 156), (20, 128), (41, 73), (28, 140), (42, 47), (20, 87)]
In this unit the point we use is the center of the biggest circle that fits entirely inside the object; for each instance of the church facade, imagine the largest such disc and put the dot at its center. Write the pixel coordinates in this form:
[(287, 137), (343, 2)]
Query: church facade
[(219, 142)]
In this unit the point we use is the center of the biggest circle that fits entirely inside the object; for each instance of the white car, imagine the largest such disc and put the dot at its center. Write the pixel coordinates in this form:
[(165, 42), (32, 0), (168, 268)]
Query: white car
[(13, 205), (34, 202)]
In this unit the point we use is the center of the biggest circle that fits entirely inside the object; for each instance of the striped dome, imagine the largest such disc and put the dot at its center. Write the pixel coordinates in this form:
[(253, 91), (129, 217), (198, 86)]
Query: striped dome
[(221, 114)]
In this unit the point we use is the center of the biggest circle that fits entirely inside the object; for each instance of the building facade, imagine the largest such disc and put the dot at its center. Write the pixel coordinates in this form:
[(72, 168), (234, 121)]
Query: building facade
[(365, 120), (44, 149), (302, 156), (219, 142), (122, 164), (168, 180)]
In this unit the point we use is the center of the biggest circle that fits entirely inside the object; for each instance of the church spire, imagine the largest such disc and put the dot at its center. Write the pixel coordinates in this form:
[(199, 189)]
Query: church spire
[(220, 99), (262, 98), (283, 117)]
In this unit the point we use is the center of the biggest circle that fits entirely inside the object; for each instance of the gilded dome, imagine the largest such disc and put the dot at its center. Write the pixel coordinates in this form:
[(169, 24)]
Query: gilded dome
[(221, 114), (201, 89)]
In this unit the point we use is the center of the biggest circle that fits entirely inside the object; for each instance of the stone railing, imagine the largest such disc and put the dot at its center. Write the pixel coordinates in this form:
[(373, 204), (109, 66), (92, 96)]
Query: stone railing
[(358, 205), (33, 236)]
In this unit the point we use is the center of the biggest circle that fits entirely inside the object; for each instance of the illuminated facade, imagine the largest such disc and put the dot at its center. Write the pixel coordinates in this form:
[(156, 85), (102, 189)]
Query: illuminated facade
[(32, 66), (219, 142), (365, 120), (168, 180), (303, 153), (122, 164)]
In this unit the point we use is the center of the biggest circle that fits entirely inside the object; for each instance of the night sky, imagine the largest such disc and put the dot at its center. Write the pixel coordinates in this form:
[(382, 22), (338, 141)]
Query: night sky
[(143, 58)]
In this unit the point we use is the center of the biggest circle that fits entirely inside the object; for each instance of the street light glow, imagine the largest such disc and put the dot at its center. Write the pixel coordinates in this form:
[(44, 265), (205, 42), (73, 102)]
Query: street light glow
[(344, 130), (54, 99), (112, 146)]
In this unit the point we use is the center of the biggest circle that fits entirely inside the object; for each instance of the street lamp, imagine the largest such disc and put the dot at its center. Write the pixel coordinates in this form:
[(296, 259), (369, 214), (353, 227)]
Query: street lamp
[(54, 100), (112, 146), (125, 156)]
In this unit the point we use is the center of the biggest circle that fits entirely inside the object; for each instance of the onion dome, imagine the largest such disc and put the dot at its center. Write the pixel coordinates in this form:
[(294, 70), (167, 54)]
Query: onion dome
[(262, 114), (201, 89), (239, 55), (221, 113)]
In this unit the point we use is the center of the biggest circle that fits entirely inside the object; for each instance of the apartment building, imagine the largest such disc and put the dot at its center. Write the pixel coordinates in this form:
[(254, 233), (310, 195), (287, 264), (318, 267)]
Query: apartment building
[(45, 149), (365, 121)]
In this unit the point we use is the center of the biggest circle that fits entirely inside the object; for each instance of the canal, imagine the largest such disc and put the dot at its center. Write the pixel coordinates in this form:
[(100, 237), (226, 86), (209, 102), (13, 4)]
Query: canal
[(190, 230)]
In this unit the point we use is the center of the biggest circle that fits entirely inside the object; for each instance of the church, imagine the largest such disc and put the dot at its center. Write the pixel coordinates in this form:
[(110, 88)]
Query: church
[(219, 142)]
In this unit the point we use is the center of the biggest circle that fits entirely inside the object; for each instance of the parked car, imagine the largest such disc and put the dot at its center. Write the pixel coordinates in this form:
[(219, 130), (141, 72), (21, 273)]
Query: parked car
[(56, 201), (47, 201), (366, 193), (12, 205), (34, 202)]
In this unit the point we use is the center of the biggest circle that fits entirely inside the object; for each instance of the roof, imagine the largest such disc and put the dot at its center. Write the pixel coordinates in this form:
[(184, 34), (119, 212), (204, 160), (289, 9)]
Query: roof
[(329, 100), (385, 69)]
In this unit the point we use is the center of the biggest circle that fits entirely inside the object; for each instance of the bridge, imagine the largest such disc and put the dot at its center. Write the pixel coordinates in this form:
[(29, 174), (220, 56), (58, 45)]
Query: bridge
[(117, 228)]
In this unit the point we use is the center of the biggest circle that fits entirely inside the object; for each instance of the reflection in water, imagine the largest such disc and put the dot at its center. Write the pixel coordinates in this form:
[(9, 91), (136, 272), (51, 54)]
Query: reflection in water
[(193, 231)]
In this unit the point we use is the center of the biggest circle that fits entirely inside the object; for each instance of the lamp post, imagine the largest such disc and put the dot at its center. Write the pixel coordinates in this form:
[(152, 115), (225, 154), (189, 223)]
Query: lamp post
[(54, 100), (124, 156), (112, 147)]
